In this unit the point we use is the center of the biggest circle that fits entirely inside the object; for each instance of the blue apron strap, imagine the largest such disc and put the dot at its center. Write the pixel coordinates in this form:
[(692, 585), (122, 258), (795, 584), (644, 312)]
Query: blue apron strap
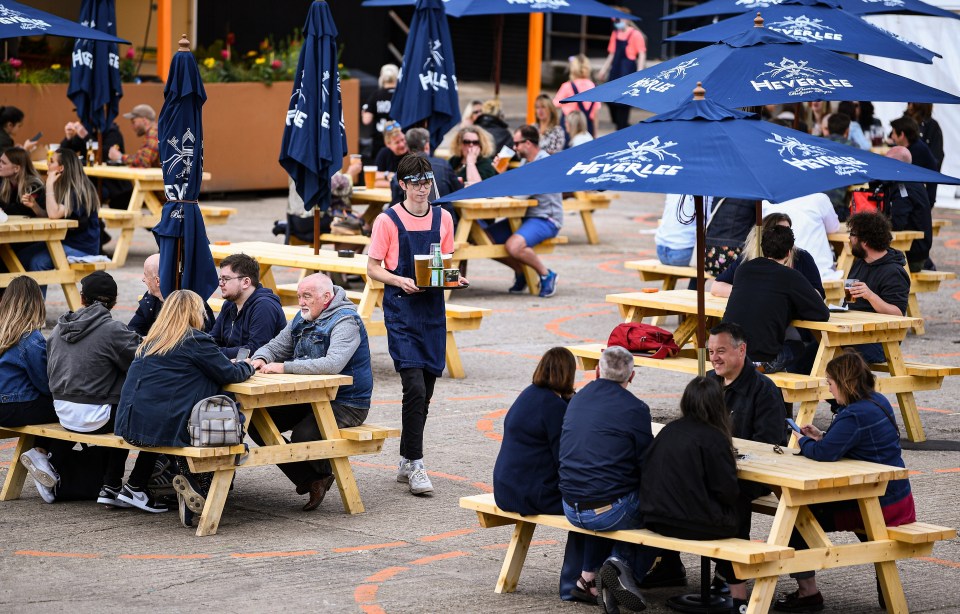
[(435, 222), (396, 218)]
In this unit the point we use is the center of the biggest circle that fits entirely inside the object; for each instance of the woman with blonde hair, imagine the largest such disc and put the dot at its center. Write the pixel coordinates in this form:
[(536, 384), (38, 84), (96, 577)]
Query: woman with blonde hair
[(21, 191), (580, 81), (176, 365), (577, 129), (69, 195), (472, 154), (552, 136)]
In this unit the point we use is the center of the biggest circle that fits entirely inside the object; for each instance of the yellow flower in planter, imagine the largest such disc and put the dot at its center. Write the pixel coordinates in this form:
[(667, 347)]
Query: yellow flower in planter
[(259, 61), (209, 62), (251, 54), (55, 66)]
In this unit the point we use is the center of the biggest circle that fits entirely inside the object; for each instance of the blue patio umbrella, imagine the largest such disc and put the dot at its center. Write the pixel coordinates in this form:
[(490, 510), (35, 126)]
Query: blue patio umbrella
[(703, 148), (185, 259), (467, 8), (21, 20), (857, 7), (314, 141), (819, 23), (760, 67), (95, 85), (427, 86)]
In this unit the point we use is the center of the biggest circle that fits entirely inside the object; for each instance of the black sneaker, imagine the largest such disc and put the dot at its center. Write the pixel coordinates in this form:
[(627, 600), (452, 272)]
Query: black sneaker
[(666, 573), (108, 497), (618, 587), (519, 284), (141, 499)]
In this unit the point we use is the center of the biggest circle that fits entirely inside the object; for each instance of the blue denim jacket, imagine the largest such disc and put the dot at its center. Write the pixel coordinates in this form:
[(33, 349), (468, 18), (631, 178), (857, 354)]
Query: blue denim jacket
[(312, 340), (23, 370)]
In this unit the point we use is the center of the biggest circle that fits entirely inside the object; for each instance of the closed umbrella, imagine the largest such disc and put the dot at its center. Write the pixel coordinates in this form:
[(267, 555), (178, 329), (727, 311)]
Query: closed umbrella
[(703, 148), (760, 67), (819, 23), (314, 140), (21, 20), (95, 85), (427, 87), (857, 7), (185, 259)]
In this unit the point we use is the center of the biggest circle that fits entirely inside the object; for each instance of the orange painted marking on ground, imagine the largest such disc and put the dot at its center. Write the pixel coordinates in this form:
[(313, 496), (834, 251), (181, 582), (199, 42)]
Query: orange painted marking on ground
[(477, 397), (365, 593), (934, 410), (448, 534), (487, 351), (439, 557), (437, 474), (485, 424), (542, 542), (554, 325), (930, 559), (390, 402), (67, 555), (482, 486), (372, 547), (371, 465), (267, 555), (10, 444), (4, 463), (950, 470), (160, 557), (615, 267), (946, 355), (372, 609), (449, 476), (385, 574), (952, 243), (913, 472)]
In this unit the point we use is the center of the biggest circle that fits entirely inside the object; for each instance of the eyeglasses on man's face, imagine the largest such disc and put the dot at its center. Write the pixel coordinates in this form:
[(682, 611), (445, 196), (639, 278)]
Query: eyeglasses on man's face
[(224, 279), (520, 142), (423, 184)]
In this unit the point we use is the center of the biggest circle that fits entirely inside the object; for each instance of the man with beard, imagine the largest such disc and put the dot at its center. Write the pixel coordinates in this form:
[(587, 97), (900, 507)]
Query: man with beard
[(143, 119)]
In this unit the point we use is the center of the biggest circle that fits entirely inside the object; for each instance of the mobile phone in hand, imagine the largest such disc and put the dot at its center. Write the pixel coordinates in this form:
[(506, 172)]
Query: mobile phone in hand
[(793, 425), (242, 354), (37, 136)]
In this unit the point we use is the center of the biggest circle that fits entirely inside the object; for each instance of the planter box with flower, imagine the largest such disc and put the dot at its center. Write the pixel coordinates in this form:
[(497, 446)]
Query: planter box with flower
[(243, 118)]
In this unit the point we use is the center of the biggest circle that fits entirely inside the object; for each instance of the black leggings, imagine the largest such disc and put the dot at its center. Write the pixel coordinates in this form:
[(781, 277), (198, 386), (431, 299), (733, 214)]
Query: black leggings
[(417, 391), (24, 413), (117, 461)]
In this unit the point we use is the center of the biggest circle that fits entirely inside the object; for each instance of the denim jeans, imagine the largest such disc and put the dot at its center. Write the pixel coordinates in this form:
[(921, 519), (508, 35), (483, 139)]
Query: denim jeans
[(624, 513), (36, 257), (674, 257)]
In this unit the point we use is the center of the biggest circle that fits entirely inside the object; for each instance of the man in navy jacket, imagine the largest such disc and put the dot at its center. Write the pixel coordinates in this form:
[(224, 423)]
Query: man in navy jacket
[(251, 315)]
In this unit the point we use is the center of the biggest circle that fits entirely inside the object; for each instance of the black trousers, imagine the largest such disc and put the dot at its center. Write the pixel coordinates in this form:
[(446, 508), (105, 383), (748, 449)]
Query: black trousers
[(38, 411), (117, 460), (619, 114), (417, 391)]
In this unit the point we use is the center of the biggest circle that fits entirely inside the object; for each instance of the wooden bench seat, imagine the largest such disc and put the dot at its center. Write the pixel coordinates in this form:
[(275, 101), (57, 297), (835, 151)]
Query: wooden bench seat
[(585, 203), (56, 431), (795, 387), (917, 369), (85, 268), (920, 282), (328, 238), (214, 215), (741, 551)]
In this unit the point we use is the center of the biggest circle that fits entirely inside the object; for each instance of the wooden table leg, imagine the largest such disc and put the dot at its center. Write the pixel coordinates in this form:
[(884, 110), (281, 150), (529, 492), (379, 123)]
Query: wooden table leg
[(346, 482), (805, 415), (764, 589), (593, 238), (669, 283), (454, 366), (516, 555), (876, 529), (216, 499), (17, 473), (122, 247), (913, 310), (906, 400), (61, 264)]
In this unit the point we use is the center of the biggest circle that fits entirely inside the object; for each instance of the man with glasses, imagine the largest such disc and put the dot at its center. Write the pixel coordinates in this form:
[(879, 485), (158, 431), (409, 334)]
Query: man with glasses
[(540, 223), (251, 315)]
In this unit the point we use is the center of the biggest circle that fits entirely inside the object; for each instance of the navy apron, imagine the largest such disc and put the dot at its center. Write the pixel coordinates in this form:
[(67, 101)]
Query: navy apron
[(622, 65), (416, 323)]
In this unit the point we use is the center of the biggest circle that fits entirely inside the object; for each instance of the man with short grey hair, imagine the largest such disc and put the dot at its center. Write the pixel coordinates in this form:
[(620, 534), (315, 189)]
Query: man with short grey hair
[(445, 180), (606, 433)]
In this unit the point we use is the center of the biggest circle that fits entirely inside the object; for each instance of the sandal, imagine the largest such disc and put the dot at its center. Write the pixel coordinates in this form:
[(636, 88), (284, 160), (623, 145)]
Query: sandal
[(581, 592)]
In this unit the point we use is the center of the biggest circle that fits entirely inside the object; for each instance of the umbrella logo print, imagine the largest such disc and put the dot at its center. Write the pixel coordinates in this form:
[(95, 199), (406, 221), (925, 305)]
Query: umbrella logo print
[(10, 16), (295, 116), (541, 4), (182, 154), (626, 165), (659, 83), (811, 157), (431, 75), (804, 29), (798, 77), (890, 3), (757, 4)]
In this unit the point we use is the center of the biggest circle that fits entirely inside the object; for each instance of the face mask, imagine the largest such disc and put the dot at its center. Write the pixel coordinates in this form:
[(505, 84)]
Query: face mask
[(619, 25)]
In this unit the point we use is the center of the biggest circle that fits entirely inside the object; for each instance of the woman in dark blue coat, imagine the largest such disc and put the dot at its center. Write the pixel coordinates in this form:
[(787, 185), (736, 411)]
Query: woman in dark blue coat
[(526, 477)]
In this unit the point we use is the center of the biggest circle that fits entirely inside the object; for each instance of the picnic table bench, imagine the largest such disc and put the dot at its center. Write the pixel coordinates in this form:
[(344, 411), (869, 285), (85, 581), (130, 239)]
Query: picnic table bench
[(585, 203), (255, 396), (801, 482), (459, 317)]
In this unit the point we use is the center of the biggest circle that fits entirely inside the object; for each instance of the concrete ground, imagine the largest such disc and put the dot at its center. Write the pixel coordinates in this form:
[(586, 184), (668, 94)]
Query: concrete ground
[(407, 554)]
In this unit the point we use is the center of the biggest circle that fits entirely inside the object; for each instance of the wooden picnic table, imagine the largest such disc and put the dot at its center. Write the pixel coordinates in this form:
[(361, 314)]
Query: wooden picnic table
[(148, 196), (843, 329), (269, 255), (374, 199), (22, 229), (840, 241)]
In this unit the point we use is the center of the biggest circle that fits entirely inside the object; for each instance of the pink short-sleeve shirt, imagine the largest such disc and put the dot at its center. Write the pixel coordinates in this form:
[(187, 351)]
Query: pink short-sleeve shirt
[(384, 243)]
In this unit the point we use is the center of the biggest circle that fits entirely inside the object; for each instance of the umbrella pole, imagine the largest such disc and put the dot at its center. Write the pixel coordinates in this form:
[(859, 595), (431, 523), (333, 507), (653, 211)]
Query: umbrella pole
[(497, 54), (701, 302), (316, 229), (758, 209), (178, 278)]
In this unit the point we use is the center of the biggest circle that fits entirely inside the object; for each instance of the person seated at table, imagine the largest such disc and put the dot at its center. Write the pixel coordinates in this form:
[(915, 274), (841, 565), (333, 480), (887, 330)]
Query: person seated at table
[(576, 125), (812, 218), (70, 195), (905, 132), (540, 222), (798, 259), (143, 119), (883, 284), (864, 428), (526, 477), (21, 191), (89, 354), (445, 180), (909, 208), (175, 355), (327, 337), (150, 303), (553, 138), (851, 109), (677, 234), (24, 388), (689, 484), (251, 314), (491, 119), (389, 156), (11, 120), (767, 296), (471, 154), (729, 221), (76, 136), (606, 434)]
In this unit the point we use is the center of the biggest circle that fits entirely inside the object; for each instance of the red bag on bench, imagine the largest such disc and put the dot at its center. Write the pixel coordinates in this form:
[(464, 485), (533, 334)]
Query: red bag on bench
[(642, 338)]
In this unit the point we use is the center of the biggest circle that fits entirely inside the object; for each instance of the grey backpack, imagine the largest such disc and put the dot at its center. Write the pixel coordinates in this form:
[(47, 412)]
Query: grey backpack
[(215, 421)]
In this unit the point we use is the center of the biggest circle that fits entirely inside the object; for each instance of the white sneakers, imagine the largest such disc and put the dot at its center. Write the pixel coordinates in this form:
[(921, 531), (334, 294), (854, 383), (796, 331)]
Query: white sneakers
[(413, 473), (44, 475)]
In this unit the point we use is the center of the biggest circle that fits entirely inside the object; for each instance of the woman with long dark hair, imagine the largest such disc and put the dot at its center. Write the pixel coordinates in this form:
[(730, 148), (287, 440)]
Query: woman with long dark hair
[(21, 188), (11, 120)]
